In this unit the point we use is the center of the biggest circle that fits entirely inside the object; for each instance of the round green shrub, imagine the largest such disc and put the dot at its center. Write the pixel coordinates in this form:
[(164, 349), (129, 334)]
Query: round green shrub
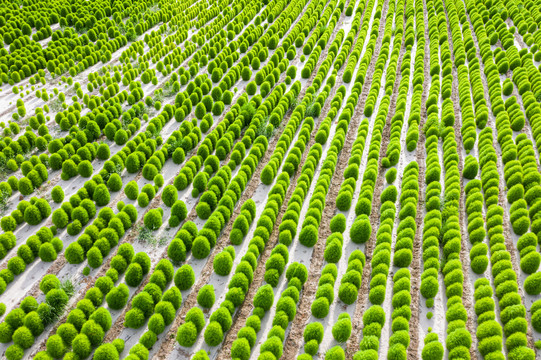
[(179, 209), (166, 310), (264, 298), (308, 236), (85, 168), (135, 318), (205, 296), (8, 223), (338, 223), (57, 194), (156, 324), (143, 200), (241, 349), (177, 251), (32, 215), (169, 195), (131, 190), (55, 346), (134, 275), (101, 195), (223, 263), (148, 339), (47, 252), (103, 152), (145, 302), (158, 180), (117, 298), (313, 331), (187, 334), (93, 331), (532, 284), (273, 345), (429, 287), (333, 251), (341, 330), (16, 265), (222, 316), (14, 352), (106, 352), (67, 332), (114, 183), (348, 293), (390, 175), (153, 219), (81, 346), (6, 332), (34, 323), (213, 334), (530, 262), (360, 230), (49, 282), (196, 316), (60, 218), (336, 353), (23, 337), (200, 247), (320, 307), (184, 277), (95, 257)]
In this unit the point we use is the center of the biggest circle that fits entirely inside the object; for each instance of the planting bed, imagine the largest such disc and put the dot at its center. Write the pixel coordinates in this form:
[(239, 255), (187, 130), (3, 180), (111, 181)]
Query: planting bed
[(276, 179)]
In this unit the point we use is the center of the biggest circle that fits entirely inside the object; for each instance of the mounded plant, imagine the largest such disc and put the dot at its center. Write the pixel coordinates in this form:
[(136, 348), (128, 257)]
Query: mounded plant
[(184, 277), (205, 296), (223, 263), (153, 219)]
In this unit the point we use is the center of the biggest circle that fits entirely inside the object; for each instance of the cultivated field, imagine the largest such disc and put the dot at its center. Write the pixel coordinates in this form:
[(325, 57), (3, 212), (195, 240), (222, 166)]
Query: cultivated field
[(275, 179)]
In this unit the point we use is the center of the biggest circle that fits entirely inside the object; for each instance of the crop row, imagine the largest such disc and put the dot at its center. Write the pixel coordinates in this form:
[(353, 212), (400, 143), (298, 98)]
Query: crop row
[(505, 278), (403, 255), (374, 316)]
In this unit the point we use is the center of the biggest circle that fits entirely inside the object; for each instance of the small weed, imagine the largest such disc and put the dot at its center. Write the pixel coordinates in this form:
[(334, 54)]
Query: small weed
[(56, 105), (262, 128), (68, 287), (311, 110), (155, 134), (168, 91), (4, 197), (158, 96), (131, 36), (293, 105), (141, 111), (176, 144), (149, 237)]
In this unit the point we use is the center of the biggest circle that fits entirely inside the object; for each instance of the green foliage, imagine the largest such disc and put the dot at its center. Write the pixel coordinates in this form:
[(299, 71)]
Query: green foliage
[(222, 263), (341, 330), (360, 230), (153, 219), (169, 195), (57, 194), (117, 298), (184, 277), (187, 334), (205, 296), (338, 223)]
